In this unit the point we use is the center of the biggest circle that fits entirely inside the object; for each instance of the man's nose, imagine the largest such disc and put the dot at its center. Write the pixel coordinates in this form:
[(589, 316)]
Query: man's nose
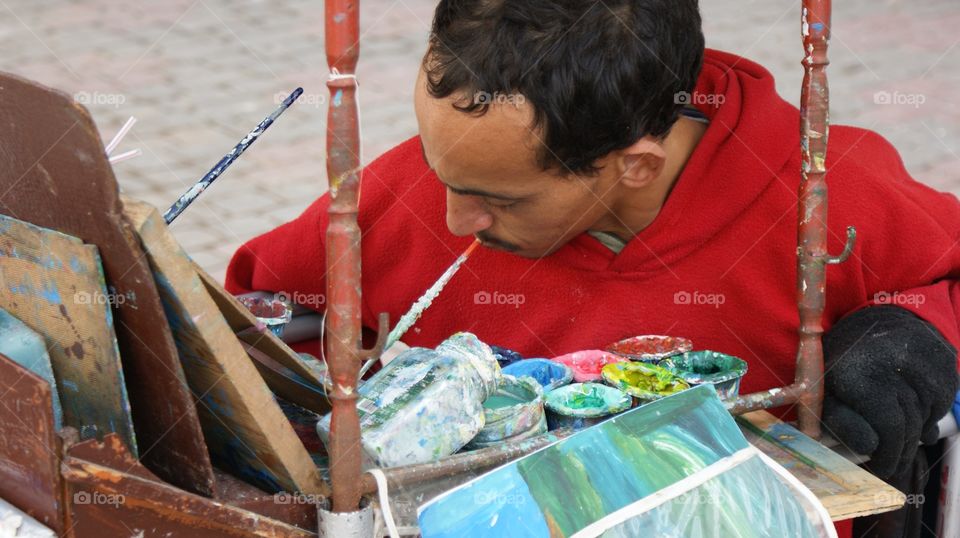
[(466, 215)]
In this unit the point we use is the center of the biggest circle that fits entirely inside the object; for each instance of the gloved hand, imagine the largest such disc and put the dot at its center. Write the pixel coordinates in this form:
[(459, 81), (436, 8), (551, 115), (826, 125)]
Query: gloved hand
[(890, 376)]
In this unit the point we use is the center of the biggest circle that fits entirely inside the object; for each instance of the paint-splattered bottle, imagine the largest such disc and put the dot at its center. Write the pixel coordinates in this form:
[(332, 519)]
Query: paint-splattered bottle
[(426, 403)]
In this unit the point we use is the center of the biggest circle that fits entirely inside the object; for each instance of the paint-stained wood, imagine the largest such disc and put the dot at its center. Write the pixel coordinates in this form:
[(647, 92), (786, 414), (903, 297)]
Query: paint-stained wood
[(244, 427), (113, 500), (53, 173), (28, 349), (243, 322), (29, 451), (846, 491), (53, 283)]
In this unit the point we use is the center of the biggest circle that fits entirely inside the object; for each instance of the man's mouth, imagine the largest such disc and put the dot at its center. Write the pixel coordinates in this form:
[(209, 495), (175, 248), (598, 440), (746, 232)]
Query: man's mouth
[(492, 242)]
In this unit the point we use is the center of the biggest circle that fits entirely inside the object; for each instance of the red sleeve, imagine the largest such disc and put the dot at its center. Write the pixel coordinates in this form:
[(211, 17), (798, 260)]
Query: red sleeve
[(910, 243), (290, 258)]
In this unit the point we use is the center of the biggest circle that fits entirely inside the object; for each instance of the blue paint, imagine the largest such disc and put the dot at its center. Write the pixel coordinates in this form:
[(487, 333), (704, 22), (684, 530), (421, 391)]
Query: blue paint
[(501, 505), (48, 293), (817, 26), (338, 98), (76, 265), (505, 356), (548, 374), (70, 385)]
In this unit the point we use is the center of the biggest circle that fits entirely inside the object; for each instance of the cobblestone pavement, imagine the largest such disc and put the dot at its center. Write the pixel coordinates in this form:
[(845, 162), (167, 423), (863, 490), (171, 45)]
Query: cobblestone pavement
[(198, 74)]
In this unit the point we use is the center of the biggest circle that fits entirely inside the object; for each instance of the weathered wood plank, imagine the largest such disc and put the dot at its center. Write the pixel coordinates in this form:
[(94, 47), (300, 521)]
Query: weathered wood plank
[(244, 427), (28, 349), (29, 450), (54, 173), (847, 491), (242, 321), (53, 283)]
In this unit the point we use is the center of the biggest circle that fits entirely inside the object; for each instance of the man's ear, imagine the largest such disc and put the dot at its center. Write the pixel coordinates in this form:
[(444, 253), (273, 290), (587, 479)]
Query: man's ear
[(642, 162)]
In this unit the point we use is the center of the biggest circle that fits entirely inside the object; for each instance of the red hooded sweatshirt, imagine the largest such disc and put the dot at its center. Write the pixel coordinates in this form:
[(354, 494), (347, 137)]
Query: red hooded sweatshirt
[(718, 265)]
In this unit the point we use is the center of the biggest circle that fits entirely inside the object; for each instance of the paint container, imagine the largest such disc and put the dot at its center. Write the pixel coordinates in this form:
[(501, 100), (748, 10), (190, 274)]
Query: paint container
[(272, 312), (586, 365), (645, 382), (651, 347), (514, 412), (505, 356), (722, 371), (581, 405), (549, 374), (425, 404)]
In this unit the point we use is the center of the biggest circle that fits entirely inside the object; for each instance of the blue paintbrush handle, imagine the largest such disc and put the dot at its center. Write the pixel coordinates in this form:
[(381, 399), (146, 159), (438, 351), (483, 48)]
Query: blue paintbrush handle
[(188, 197)]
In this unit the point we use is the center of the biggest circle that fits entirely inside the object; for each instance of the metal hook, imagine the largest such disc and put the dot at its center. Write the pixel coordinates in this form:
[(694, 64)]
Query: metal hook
[(847, 249), (383, 331)]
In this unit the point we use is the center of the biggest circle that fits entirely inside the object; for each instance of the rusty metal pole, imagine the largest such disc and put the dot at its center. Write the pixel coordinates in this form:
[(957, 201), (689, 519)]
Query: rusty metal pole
[(343, 336), (812, 255)]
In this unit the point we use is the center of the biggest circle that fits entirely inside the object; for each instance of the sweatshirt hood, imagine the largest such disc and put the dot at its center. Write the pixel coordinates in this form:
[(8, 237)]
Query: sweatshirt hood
[(752, 135)]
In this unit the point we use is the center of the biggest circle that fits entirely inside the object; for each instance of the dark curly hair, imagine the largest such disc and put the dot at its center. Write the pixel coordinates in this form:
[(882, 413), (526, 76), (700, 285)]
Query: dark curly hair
[(599, 75)]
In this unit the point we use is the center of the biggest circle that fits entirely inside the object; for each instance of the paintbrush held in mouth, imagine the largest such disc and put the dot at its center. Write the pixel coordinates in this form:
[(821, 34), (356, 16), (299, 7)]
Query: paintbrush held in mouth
[(424, 302), (197, 189)]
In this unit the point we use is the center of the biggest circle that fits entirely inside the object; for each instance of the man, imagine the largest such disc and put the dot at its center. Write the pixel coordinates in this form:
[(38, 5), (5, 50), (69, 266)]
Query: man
[(626, 182)]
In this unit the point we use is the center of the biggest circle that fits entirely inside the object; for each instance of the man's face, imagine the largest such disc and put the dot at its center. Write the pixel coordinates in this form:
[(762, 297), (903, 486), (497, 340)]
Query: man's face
[(495, 189)]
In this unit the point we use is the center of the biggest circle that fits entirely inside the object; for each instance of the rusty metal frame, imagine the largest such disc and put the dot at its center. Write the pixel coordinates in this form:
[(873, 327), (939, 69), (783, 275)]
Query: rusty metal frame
[(343, 330), (812, 255), (343, 256)]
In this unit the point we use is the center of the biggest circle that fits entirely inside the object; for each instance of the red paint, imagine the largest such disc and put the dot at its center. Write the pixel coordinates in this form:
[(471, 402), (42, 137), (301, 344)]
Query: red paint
[(651, 348), (587, 364)]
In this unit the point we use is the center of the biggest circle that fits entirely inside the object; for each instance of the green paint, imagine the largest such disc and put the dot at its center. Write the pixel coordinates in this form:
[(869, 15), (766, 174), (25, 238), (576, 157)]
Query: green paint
[(587, 400), (706, 366)]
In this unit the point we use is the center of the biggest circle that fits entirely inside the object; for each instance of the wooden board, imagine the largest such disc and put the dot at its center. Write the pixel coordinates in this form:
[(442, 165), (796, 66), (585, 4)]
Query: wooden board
[(244, 427), (29, 452), (54, 173), (130, 503), (53, 283), (847, 491), (28, 349), (242, 321)]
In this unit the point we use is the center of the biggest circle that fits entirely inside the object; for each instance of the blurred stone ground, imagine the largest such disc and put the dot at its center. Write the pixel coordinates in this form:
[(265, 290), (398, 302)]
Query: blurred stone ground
[(198, 74)]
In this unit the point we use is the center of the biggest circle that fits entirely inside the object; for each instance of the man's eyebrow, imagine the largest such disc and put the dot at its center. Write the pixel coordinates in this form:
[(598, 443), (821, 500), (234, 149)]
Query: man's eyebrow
[(467, 192), (475, 192)]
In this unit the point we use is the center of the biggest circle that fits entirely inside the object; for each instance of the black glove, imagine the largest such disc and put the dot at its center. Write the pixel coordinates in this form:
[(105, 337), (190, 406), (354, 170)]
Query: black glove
[(890, 376)]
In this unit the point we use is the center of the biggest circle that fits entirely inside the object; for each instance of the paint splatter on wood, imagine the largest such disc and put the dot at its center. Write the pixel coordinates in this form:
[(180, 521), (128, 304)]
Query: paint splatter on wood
[(54, 284), (245, 430)]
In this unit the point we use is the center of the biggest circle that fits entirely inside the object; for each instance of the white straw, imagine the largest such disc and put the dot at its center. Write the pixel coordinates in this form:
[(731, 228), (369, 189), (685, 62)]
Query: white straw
[(126, 156), (120, 134)]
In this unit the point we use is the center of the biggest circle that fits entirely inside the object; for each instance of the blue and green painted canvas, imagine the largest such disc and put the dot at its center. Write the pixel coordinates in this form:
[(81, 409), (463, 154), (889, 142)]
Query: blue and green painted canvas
[(676, 467)]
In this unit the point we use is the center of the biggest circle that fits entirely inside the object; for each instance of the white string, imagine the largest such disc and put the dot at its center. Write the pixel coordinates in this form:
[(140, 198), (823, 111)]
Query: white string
[(384, 496)]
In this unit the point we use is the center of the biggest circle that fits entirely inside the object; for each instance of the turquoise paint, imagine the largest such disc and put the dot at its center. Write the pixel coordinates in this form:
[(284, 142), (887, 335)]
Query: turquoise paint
[(514, 412), (583, 404)]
